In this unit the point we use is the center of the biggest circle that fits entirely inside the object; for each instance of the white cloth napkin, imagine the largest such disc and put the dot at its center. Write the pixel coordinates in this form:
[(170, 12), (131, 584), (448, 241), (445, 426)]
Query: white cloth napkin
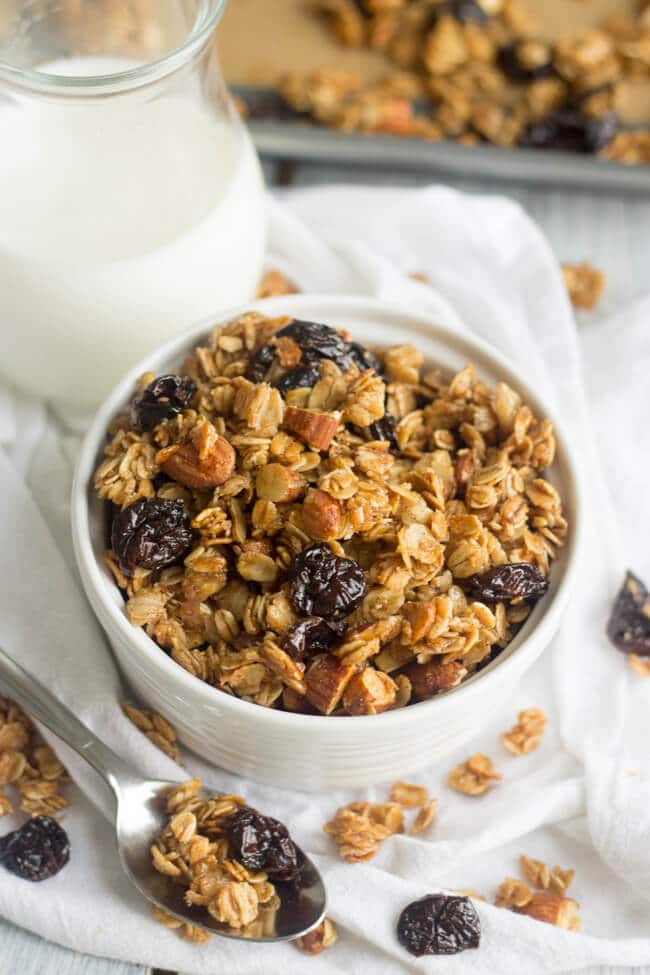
[(582, 800)]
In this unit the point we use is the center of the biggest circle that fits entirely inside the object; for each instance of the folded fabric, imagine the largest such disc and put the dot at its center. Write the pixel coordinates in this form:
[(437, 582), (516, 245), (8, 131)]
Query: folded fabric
[(582, 800)]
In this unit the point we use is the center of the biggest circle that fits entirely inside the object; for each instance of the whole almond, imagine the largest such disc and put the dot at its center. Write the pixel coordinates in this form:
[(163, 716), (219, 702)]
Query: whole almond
[(427, 679), (198, 467), (553, 909), (321, 515)]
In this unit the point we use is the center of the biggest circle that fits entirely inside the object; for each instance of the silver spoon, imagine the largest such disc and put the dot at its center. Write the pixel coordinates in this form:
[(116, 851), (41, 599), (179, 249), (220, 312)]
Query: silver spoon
[(140, 815)]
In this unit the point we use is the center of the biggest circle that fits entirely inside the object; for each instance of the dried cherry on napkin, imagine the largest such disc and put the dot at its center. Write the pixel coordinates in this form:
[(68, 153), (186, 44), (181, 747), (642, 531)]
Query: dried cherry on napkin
[(36, 851), (439, 924), (629, 623)]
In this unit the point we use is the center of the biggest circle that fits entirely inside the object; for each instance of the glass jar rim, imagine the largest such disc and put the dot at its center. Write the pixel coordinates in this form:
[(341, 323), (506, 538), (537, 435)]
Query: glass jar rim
[(207, 18)]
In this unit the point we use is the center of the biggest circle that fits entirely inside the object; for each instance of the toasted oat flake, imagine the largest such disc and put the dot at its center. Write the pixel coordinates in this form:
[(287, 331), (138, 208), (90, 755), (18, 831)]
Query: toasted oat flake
[(536, 872), (526, 735), (408, 795), (513, 894), (156, 728), (319, 939), (640, 665), (473, 777), (275, 283), (584, 283), (425, 817)]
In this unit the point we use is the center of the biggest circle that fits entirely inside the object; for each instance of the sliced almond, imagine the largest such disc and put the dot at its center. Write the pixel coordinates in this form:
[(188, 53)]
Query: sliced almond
[(316, 429)]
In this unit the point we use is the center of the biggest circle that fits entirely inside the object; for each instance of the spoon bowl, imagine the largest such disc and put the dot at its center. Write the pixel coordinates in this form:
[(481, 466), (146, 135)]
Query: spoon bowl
[(141, 815)]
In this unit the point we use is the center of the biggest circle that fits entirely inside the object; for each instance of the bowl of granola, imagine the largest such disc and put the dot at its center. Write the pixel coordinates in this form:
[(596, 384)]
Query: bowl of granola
[(325, 537)]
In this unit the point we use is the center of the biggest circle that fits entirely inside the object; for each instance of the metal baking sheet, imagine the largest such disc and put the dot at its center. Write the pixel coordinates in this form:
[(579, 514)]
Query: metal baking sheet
[(286, 138)]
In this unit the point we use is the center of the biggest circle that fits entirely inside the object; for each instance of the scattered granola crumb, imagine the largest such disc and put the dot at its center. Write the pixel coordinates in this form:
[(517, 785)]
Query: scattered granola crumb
[(408, 795), (640, 665), (425, 817), (630, 148), (543, 877), (28, 766), (188, 931), (318, 940), (156, 728), (420, 276), (274, 283), (470, 892), (526, 735), (360, 827), (584, 283), (513, 894), (473, 777)]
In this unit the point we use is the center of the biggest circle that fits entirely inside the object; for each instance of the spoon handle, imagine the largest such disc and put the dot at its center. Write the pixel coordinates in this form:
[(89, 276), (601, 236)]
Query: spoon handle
[(37, 701)]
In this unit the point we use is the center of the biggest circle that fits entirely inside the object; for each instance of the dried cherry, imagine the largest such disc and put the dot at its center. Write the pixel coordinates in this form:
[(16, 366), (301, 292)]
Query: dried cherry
[(260, 363), (306, 373), (262, 843), (315, 339), (516, 69), (629, 623), (383, 429), (503, 583), (151, 534), (325, 585), (316, 342), (357, 355), (568, 129), (163, 398), (467, 11), (439, 924), (36, 851), (311, 636)]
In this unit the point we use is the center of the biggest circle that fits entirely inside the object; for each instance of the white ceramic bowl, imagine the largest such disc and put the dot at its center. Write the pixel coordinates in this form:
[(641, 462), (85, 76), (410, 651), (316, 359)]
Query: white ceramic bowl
[(304, 751)]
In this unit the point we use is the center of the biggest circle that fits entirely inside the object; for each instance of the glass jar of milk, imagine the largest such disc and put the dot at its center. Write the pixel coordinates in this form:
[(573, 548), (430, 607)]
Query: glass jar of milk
[(131, 198)]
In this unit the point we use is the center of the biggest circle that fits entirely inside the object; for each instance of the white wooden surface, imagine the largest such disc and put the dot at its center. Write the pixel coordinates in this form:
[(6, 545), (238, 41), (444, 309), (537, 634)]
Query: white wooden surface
[(614, 234)]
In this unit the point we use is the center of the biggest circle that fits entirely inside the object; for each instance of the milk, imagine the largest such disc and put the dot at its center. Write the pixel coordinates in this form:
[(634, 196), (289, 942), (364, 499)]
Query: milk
[(123, 220)]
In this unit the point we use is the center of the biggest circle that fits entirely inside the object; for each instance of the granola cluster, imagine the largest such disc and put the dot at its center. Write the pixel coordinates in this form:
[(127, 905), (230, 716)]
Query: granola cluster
[(309, 525), (360, 828), (156, 728), (196, 851), (478, 71), (548, 903), (28, 765)]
